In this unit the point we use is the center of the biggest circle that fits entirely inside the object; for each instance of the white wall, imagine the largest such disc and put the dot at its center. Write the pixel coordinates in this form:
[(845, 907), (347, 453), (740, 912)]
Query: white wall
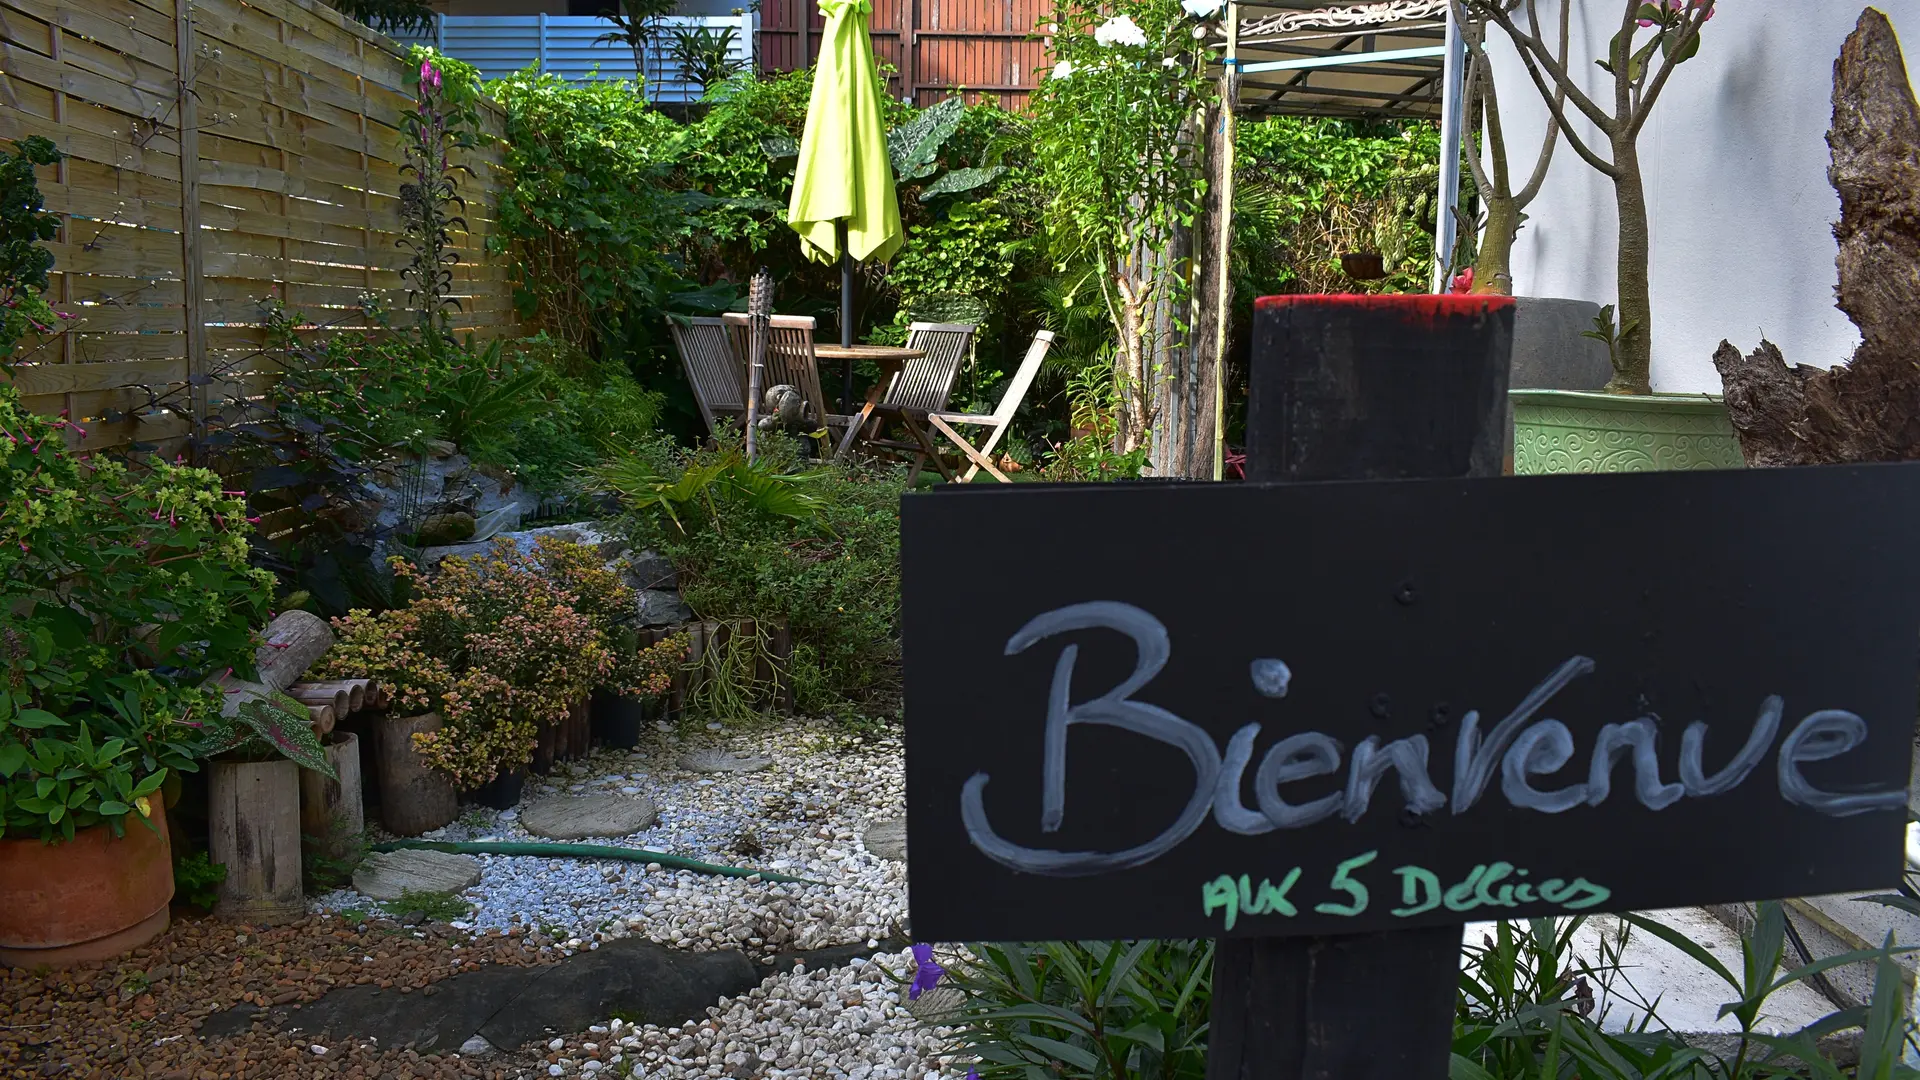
[(1735, 161)]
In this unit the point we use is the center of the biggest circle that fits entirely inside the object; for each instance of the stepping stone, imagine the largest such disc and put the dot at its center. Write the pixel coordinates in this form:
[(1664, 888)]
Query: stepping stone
[(386, 875), (887, 839), (723, 761), (576, 817)]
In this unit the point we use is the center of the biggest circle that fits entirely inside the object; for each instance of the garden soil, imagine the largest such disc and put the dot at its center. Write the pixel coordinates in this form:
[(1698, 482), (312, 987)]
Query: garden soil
[(137, 1017)]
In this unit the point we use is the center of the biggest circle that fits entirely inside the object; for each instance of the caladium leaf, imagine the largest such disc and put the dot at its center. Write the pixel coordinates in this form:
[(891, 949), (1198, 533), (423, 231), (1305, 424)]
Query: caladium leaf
[(283, 724)]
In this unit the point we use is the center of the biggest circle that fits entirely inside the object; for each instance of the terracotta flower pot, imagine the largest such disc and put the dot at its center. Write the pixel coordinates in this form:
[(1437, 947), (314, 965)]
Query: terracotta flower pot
[(90, 898)]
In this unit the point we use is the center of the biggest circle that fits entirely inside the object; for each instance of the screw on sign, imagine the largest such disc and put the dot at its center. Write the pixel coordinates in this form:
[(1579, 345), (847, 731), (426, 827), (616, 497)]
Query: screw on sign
[(1423, 695)]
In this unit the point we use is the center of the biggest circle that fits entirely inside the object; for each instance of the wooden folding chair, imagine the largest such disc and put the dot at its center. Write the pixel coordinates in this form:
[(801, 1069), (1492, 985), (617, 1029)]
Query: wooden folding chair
[(789, 360), (1001, 418), (713, 370), (921, 386)]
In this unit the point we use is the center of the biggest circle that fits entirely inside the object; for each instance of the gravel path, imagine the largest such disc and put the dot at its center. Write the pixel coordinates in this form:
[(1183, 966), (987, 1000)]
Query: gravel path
[(846, 1023), (802, 816)]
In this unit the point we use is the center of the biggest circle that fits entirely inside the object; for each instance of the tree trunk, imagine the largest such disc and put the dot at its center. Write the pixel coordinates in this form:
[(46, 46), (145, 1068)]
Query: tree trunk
[(1183, 420), (1869, 408), (1493, 269), (1134, 286), (414, 797), (253, 829), (1633, 356)]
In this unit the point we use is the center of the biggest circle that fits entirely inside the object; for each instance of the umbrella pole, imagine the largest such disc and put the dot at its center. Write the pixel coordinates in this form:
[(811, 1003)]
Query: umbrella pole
[(846, 318)]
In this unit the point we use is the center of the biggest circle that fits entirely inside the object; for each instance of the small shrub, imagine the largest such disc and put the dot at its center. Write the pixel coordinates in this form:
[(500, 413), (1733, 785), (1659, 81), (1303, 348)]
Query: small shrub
[(197, 879), (1101, 1010), (430, 906), (817, 547)]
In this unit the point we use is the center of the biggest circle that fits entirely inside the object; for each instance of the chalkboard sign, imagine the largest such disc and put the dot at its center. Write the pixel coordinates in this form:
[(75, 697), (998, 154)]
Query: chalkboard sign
[(1252, 710)]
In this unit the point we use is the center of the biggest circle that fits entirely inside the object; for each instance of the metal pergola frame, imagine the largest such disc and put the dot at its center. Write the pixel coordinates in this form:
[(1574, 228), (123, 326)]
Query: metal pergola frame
[(1357, 59), (1353, 59)]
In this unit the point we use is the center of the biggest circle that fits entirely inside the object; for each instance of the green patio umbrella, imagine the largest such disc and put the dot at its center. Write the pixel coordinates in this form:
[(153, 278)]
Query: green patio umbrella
[(843, 203)]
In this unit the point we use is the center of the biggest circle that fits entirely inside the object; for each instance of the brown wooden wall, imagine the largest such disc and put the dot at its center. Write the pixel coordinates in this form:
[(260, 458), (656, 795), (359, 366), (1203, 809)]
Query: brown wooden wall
[(270, 171), (990, 49)]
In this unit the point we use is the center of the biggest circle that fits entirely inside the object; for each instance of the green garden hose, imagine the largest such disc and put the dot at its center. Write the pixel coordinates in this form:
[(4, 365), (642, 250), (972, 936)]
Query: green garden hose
[(589, 851)]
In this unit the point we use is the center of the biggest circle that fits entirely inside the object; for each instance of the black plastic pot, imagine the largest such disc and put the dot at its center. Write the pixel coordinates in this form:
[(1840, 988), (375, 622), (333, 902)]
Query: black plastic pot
[(502, 792), (616, 720)]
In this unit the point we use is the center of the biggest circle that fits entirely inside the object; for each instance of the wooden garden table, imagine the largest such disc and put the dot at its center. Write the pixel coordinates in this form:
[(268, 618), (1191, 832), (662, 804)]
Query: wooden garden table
[(890, 359)]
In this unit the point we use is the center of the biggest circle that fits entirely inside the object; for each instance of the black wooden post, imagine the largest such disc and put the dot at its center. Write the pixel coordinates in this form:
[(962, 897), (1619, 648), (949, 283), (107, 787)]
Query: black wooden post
[(1359, 388)]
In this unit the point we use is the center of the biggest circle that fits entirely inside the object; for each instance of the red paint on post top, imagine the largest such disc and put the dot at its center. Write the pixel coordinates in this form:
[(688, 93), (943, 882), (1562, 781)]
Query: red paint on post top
[(1411, 307)]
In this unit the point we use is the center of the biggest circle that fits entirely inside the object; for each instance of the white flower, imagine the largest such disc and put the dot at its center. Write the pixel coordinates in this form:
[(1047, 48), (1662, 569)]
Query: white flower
[(1120, 30), (1167, 62), (1053, 28), (1062, 69), (1199, 32), (1202, 9)]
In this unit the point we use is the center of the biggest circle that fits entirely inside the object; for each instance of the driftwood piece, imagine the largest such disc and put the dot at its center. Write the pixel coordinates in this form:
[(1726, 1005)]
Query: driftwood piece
[(1869, 408), (294, 641)]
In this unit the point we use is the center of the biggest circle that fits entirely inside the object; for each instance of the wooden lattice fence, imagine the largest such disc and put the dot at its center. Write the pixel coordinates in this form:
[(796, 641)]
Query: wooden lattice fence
[(221, 156)]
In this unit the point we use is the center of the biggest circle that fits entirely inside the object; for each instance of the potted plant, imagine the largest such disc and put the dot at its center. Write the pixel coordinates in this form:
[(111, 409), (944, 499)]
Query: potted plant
[(1627, 427), (121, 593), (638, 674), (488, 649)]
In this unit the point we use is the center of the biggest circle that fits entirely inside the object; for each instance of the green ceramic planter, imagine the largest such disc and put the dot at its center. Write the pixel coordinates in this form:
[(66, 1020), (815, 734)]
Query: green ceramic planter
[(1570, 431)]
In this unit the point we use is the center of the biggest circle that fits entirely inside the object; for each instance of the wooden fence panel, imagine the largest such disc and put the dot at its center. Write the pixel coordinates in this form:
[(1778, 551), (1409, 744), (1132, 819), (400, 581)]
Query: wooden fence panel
[(990, 50), (223, 158)]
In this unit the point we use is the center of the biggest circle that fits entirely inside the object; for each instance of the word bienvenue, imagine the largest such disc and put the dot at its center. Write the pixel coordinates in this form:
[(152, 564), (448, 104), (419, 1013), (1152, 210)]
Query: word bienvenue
[(1500, 885), (1522, 751)]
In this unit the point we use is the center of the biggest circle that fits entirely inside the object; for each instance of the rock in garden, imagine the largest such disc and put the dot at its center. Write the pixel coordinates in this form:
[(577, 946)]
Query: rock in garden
[(440, 529), (661, 607), (888, 839), (723, 761), (386, 875), (650, 570), (575, 817)]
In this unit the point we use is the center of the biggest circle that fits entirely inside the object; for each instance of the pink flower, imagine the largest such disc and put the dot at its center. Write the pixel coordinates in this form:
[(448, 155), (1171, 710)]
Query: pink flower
[(1463, 282), (429, 75)]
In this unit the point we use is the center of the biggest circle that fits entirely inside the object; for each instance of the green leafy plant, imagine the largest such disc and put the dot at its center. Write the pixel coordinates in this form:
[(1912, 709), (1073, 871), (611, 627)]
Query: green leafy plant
[(24, 227), (704, 54), (635, 24), (121, 594), (197, 879), (430, 906), (388, 16), (1096, 1010), (263, 727), (1607, 333), (592, 229), (818, 547), (1115, 143), (695, 492), (328, 862)]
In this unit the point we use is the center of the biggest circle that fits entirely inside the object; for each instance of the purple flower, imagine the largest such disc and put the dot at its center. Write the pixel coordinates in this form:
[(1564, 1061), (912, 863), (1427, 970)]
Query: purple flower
[(926, 974)]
